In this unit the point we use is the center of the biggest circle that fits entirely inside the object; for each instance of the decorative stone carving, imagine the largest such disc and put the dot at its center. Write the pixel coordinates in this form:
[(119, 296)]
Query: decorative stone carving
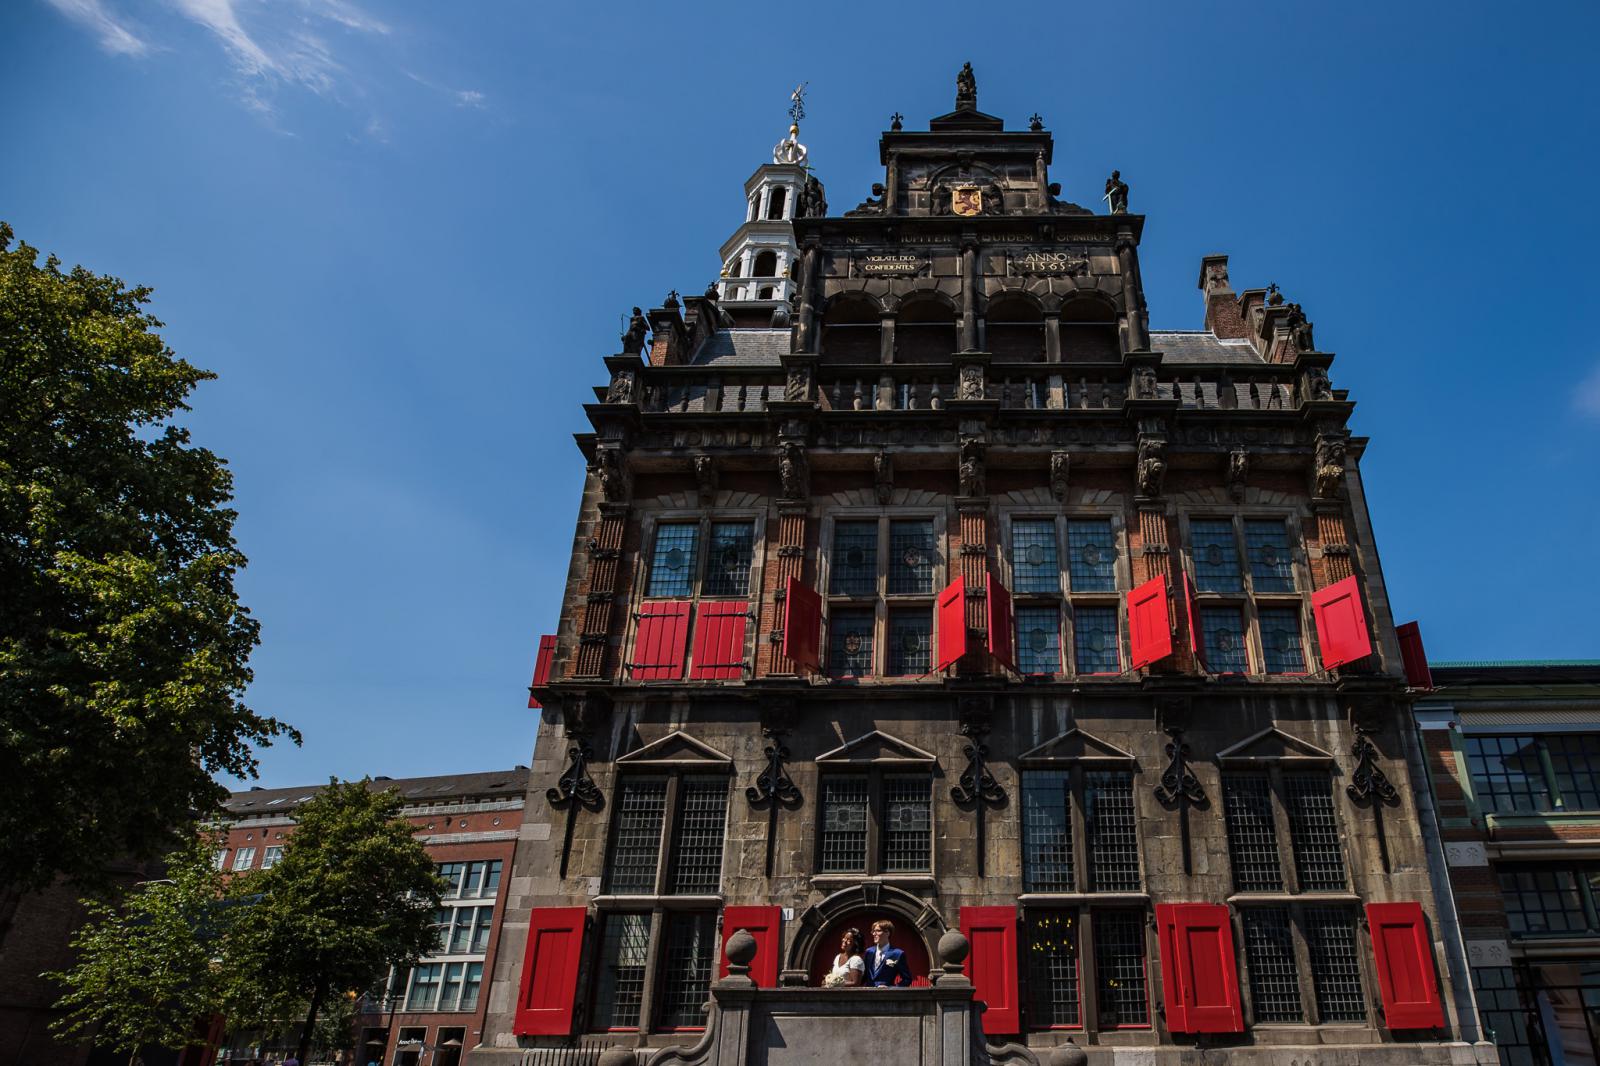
[(1144, 383), (896, 122), (976, 782), (1060, 467), (1328, 472), (1488, 953), (1465, 853), (575, 784), (794, 471), (972, 477), (1152, 464), (621, 388), (705, 477), (1317, 385), (869, 206), (1368, 780), (972, 386), (612, 473), (966, 89), (1299, 330), (1117, 193), (1238, 473), (797, 384), (633, 340), (1217, 276), (883, 477), (774, 785), (813, 203), (1177, 780), (1035, 123)]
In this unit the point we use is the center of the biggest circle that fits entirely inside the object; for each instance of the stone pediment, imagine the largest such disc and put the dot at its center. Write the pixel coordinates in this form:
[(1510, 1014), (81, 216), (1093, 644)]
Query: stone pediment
[(880, 748), (1273, 744), (1078, 746), (678, 749)]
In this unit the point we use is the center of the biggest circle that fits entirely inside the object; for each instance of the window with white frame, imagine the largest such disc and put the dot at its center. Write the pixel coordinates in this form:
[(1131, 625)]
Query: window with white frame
[(1077, 588), (271, 856), (451, 977), (244, 858), (1250, 611), (883, 573)]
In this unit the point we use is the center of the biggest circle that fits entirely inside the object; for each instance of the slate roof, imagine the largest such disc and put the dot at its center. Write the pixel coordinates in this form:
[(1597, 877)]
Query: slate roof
[(494, 784), (1182, 346), (743, 347)]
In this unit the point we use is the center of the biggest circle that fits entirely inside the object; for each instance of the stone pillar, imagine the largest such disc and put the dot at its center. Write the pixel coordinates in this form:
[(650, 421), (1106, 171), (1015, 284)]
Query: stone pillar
[(969, 294), (1133, 294), (806, 331)]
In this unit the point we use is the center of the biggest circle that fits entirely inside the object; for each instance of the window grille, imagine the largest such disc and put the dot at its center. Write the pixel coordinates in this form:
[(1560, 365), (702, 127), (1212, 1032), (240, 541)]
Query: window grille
[(853, 569), (1544, 902), (728, 566), (1269, 955), (1095, 642), (1335, 969), (637, 840), (619, 991), (1252, 837), (1216, 556), (702, 808), (1047, 832), (844, 825), (686, 971), (910, 642), (1039, 640), (1119, 969), (1575, 759), (1223, 630), (1280, 640), (911, 557), (1313, 832), (1507, 774), (1091, 555), (1271, 562), (850, 642), (1033, 556), (1053, 974), (907, 822), (1504, 1011), (1109, 822), (672, 565)]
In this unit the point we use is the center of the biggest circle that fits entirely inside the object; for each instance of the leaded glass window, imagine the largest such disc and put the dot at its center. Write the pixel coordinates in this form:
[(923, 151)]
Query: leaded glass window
[(1223, 631), (1053, 974), (910, 641), (686, 970), (1252, 836), (1110, 829), (1216, 556), (636, 842), (907, 822), (1047, 831), (1507, 774), (850, 633), (1313, 832), (1095, 642), (702, 809), (672, 565), (619, 987), (1271, 562), (1335, 966), (854, 566), (1092, 555), (1034, 568), (1119, 969), (728, 562), (911, 557), (1039, 640), (1280, 640), (844, 824), (1269, 956)]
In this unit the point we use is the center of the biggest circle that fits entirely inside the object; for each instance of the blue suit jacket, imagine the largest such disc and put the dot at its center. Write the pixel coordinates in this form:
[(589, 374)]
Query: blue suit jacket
[(889, 971)]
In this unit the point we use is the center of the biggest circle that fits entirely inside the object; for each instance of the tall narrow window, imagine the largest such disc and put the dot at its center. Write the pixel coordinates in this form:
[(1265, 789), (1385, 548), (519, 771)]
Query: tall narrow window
[(854, 566), (1280, 640), (728, 567), (1335, 967), (1112, 839), (850, 642), (910, 641), (1039, 640), (882, 573), (844, 824), (672, 565), (1216, 556), (1252, 837), (619, 988), (1053, 971), (686, 970), (702, 809), (1095, 642), (1092, 551), (1047, 832), (1119, 969), (1313, 833), (1033, 557), (1269, 956), (636, 843), (1271, 562), (1223, 631), (907, 822), (911, 557)]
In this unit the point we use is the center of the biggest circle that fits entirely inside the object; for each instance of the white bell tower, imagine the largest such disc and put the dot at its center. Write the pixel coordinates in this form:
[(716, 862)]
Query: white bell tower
[(756, 259)]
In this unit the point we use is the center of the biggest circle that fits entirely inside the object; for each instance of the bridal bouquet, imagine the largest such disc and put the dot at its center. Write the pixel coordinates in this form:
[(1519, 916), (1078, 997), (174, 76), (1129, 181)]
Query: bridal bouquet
[(833, 980)]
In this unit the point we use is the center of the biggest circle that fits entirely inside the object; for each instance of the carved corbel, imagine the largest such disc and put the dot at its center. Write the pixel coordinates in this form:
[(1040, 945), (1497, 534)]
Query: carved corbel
[(611, 470), (1060, 467), (883, 477), (797, 383), (1238, 473), (705, 477), (794, 471), (972, 477), (1151, 469), (1327, 472), (621, 389)]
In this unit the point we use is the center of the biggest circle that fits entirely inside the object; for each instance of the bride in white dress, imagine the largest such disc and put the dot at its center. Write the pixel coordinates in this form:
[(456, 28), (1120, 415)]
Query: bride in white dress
[(848, 967)]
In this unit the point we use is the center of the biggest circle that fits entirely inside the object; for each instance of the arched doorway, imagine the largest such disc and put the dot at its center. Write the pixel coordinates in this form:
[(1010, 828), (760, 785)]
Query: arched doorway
[(917, 928)]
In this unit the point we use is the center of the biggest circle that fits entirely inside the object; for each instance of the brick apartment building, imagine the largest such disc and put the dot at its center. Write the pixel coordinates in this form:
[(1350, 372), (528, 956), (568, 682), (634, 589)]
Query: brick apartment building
[(469, 823), (1514, 756), (921, 580)]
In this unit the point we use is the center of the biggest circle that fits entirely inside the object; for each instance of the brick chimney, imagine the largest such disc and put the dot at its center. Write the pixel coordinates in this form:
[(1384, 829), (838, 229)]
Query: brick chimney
[(1222, 307)]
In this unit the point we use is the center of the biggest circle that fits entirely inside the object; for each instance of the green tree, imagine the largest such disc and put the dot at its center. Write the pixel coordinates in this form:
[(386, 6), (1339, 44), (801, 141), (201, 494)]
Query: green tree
[(123, 648), (145, 973), (354, 894)]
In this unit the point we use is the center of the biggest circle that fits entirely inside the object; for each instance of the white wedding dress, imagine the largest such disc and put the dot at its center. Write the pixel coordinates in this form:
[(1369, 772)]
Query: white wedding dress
[(837, 976)]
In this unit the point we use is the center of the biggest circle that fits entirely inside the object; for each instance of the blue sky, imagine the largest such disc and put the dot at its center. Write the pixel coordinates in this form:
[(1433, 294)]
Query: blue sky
[(404, 234)]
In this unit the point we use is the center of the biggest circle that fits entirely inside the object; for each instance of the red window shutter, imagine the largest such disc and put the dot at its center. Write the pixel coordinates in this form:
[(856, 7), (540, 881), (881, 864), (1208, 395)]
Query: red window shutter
[(1341, 623), (550, 971), (1167, 924), (1150, 622), (1197, 641), (1000, 623), (802, 625), (541, 665), (1404, 957), (952, 613), (719, 629), (992, 965), (659, 642), (1413, 656), (766, 925), (1208, 978)]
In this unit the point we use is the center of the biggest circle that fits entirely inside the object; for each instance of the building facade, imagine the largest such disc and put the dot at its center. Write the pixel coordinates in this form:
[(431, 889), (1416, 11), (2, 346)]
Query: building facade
[(469, 823), (955, 596), (1514, 756)]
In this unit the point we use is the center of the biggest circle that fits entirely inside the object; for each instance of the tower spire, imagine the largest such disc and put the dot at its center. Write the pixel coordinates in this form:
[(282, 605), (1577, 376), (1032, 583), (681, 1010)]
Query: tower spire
[(790, 150)]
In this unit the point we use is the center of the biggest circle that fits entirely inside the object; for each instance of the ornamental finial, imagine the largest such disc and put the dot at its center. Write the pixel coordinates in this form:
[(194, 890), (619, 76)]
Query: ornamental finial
[(790, 150)]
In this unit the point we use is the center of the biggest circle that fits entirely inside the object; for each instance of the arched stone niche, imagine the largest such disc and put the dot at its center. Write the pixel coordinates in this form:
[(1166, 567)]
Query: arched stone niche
[(917, 929)]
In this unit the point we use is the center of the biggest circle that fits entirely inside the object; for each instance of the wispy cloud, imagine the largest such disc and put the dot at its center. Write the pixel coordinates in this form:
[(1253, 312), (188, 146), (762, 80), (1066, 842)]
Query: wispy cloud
[(114, 36), (1587, 399), (460, 97)]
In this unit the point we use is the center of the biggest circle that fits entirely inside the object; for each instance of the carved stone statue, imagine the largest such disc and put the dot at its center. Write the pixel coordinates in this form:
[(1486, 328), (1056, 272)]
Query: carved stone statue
[(793, 471), (1117, 193), (1144, 383), (966, 89), (633, 340), (1329, 467), (813, 204), (1060, 467), (1299, 330), (713, 292), (613, 477), (869, 206), (1152, 465), (797, 384), (621, 389), (1238, 473), (883, 477), (971, 382), (1318, 387), (705, 477), (972, 479), (1217, 276)]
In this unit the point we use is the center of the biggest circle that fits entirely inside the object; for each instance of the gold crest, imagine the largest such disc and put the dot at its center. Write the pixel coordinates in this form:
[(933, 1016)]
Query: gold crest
[(966, 200)]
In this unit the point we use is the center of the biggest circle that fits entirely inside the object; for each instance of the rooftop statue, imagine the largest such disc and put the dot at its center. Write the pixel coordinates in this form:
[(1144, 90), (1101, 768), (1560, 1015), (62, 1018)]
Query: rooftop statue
[(1117, 193), (966, 89)]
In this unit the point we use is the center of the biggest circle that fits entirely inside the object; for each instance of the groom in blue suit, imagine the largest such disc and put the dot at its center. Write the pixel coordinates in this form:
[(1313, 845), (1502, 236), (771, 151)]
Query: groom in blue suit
[(886, 964)]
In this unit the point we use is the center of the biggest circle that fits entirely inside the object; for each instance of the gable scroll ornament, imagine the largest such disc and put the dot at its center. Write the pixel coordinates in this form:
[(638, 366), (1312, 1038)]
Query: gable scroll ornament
[(1179, 785), (1369, 782), (977, 785), (773, 787), (574, 789)]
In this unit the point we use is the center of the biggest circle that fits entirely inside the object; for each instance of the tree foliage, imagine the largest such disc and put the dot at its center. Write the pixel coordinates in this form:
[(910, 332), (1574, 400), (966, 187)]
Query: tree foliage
[(353, 894), (123, 647), (145, 973)]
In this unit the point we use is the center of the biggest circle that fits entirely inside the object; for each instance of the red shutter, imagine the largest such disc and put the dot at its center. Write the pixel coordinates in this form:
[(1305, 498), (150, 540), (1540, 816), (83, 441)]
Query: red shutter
[(658, 644), (1404, 959), (1199, 975), (766, 925), (1341, 623), (719, 640), (992, 965), (1411, 654), (1150, 622), (1001, 627), (1197, 640), (550, 971), (1167, 925), (952, 614), (802, 625), (541, 666)]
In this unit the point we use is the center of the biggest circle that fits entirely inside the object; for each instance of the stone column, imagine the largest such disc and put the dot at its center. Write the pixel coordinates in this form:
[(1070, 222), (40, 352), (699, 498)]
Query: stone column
[(1133, 293), (806, 333), (969, 294)]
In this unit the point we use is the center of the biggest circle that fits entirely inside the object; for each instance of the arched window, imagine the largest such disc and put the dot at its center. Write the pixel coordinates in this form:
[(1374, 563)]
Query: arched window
[(776, 201), (1089, 332), (850, 331), (925, 330), (765, 293), (1014, 329), (733, 267), (766, 265)]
